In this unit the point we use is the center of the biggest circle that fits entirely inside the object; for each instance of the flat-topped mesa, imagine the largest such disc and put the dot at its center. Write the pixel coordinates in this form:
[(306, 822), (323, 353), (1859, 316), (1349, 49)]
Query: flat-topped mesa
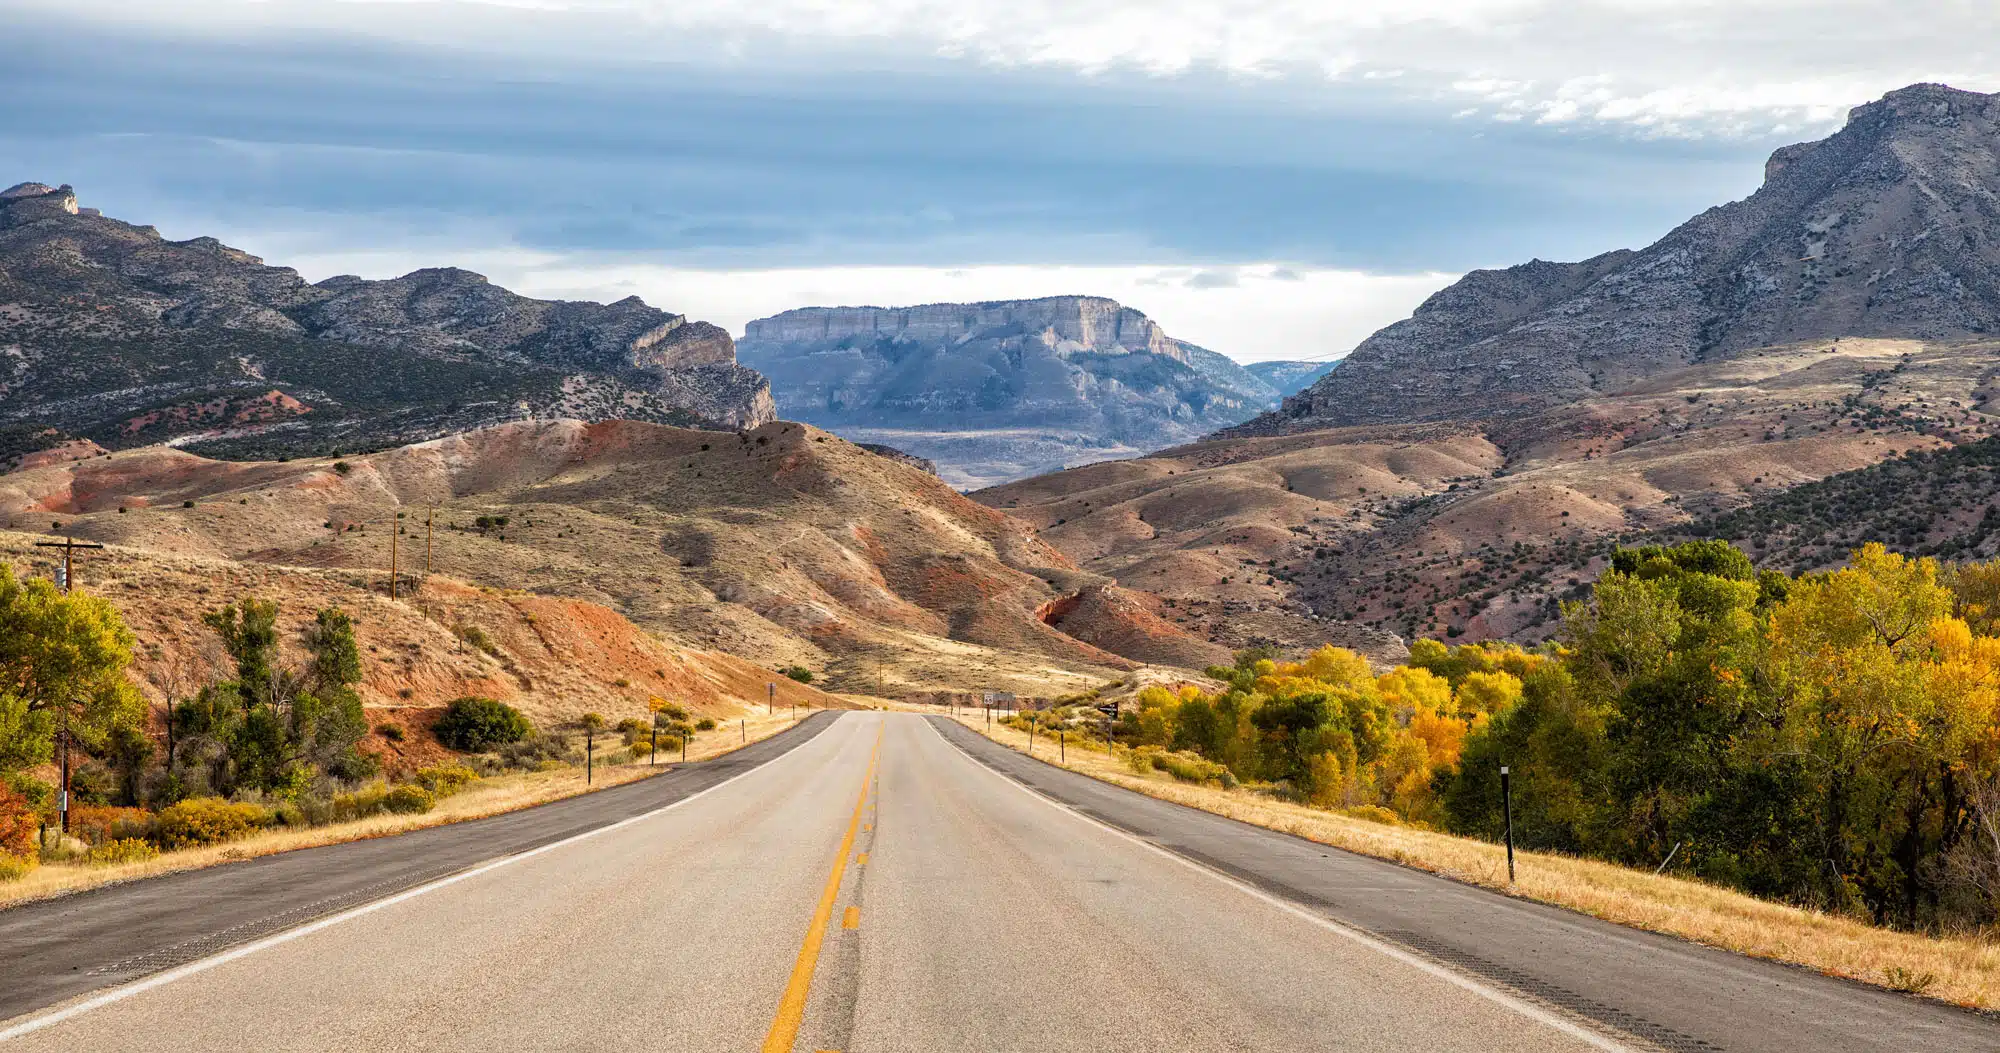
[(1884, 229), (1065, 324), (994, 391)]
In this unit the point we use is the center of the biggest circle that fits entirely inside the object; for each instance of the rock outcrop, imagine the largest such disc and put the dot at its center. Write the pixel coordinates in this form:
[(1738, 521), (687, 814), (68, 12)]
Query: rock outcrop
[(1888, 228), (1289, 378), (111, 333), (995, 391)]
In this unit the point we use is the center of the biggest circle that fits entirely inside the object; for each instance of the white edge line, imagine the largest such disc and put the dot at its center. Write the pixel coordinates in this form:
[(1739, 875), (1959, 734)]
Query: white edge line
[(182, 972), (1527, 1009)]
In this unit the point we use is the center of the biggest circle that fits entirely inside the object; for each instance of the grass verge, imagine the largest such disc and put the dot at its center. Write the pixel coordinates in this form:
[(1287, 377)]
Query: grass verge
[(489, 796), (1961, 970)]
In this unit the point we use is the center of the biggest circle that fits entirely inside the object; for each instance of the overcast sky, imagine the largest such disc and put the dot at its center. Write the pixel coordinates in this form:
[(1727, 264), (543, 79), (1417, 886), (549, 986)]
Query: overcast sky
[(1269, 178)]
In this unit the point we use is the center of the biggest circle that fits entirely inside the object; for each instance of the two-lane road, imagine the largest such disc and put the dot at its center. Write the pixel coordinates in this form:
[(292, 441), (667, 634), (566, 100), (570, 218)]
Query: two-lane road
[(877, 888)]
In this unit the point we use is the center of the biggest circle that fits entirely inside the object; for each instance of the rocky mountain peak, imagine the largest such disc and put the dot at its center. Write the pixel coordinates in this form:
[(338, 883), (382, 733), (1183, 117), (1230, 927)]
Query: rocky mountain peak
[(189, 338), (1888, 228)]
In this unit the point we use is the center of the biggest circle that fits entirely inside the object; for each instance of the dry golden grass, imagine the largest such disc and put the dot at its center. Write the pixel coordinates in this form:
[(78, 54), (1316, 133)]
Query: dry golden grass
[(490, 796), (1965, 971)]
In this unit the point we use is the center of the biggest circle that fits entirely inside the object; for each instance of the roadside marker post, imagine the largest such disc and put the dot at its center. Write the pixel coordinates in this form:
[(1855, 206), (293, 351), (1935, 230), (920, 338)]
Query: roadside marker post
[(1110, 711), (1507, 809), (1062, 748), (745, 723), (770, 698), (589, 755), (654, 760)]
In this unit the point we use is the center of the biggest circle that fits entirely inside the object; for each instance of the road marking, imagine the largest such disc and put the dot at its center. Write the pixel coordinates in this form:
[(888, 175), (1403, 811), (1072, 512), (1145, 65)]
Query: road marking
[(1525, 1008), (792, 1007), (851, 919), (119, 994), (861, 860)]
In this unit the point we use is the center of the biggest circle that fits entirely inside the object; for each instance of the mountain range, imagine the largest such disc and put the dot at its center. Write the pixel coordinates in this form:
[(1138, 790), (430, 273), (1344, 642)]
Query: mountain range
[(1885, 229), (113, 335), (1466, 469), (1459, 475)]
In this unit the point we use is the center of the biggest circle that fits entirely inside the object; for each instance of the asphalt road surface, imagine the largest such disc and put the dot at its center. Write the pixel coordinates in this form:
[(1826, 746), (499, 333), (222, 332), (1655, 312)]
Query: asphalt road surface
[(874, 887)]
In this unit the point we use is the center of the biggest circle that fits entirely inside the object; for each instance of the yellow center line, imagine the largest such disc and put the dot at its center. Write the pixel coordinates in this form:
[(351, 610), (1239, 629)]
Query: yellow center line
[(792, 1007)]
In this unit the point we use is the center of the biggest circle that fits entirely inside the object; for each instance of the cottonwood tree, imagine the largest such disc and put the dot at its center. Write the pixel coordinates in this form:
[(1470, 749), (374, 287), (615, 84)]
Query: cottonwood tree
[(62, 667)]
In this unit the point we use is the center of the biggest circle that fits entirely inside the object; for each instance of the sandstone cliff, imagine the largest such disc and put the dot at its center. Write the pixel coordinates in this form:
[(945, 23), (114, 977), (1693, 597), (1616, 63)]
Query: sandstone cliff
[(1885, 229), (109, 332)]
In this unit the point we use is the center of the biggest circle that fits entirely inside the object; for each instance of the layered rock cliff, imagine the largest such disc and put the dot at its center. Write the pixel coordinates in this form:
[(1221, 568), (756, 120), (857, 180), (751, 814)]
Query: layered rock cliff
[(1888, 228), (994, 391), (111, 333)]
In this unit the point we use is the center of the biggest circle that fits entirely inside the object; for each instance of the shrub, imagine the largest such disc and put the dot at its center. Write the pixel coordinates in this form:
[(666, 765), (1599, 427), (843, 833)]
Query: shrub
[(409, 799), (1141, 759), (59, 847), (360, 804), (1374, 813), (799, 673), (123, 850), (443, 780), (476, 638), (205, 821), (17, 822), (475, 725), (640, 750), (539, 753), (14, 868), (705, 724), (1192, 767), (102, 824), (392, 732)]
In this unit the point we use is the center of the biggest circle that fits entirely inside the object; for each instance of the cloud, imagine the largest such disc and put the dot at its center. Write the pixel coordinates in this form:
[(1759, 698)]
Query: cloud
[(1678, 68)]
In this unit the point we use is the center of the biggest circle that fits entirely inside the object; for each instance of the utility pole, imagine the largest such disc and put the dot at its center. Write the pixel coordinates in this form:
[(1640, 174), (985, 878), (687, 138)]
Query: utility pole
[(395, 527), (69, 545), (430, 538)]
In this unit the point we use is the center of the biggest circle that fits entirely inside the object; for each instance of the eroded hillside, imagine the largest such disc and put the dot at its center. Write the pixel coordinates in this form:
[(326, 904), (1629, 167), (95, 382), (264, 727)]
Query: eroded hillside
[(783, 543), (1476, 528)]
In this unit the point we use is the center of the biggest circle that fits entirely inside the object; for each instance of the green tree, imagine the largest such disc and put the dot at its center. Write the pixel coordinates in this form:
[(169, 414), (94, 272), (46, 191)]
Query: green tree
[(62, 660), (249, 631)]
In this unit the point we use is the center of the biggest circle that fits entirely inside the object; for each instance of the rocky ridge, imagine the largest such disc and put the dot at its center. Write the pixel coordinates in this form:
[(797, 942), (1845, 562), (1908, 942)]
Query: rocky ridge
[(999, 390), (111, 333), (1289, 378), (1886, 229)]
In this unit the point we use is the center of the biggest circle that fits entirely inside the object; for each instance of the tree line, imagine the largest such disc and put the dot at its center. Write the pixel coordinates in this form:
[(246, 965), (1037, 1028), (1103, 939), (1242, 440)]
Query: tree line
[(1830, 739)]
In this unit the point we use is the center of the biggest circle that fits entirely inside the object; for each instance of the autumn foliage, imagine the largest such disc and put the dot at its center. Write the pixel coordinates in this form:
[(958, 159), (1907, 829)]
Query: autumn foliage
[(1831, 739)]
